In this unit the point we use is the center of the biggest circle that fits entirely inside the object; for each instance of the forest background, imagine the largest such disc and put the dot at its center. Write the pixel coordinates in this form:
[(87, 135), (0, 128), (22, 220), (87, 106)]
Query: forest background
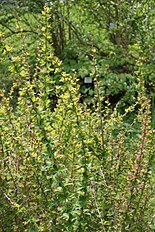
[(77, 116)]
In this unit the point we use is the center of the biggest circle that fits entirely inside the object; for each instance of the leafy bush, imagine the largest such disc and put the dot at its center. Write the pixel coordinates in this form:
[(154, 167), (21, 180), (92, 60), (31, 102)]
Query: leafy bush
[(73, 169)]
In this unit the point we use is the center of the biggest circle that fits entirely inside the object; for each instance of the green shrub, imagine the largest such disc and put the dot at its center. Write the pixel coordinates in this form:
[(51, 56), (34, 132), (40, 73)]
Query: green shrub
[(73, 169)]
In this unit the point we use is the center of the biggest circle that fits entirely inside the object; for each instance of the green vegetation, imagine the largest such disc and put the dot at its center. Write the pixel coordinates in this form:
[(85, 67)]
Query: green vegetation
[(77, 156)]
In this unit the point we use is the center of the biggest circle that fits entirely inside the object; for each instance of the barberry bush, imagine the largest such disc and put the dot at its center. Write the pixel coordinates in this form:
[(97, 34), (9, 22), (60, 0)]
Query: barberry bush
[(69, 167)]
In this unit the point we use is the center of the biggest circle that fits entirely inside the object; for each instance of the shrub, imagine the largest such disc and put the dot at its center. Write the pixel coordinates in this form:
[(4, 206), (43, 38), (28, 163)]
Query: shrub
[(73, 169)]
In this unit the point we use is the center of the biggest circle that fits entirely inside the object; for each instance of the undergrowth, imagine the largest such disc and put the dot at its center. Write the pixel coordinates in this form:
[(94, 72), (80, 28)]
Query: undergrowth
[(72, 168)]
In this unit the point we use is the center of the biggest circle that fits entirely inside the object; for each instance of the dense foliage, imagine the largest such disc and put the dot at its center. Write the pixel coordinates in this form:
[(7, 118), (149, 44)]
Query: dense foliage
[(77, 156), (120, 31)]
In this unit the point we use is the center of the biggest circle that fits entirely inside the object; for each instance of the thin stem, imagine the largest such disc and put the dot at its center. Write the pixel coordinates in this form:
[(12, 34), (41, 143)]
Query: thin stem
[(99, 104)]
